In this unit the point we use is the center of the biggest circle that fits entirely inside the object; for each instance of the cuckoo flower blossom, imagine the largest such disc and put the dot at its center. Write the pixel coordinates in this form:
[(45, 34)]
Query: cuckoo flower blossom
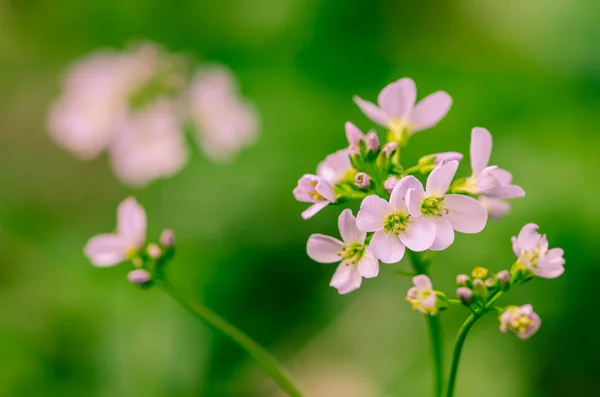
[(531, 249), (489, 181), (355, 257), (394, 228), (448, 212), (522, 321), (111, 249), (314, 189), (397, 110), (422, 296)]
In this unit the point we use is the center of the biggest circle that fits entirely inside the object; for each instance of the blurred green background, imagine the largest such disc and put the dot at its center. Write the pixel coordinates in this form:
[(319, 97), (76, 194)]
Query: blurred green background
[(528, 71)]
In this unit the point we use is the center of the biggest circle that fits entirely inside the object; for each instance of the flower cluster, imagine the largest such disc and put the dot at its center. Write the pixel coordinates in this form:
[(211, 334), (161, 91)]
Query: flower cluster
[(128, 244), (397, 210), (135, 105)]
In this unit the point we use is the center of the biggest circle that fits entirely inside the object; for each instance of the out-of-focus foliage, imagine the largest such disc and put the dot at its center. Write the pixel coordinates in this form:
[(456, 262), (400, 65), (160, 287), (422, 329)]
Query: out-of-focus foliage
[(68, 329)]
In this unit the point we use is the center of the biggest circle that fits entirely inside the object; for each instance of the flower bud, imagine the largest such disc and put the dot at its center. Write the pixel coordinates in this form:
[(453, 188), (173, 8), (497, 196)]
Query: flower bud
[(480, 272), (390, 183), (503, 277), (362, 180), (480, 288), (139, 276), (372, 142), (465, 295), (153, 251), (389, 149), (462, 279), (522, 321), (354, 150), (167, 238)]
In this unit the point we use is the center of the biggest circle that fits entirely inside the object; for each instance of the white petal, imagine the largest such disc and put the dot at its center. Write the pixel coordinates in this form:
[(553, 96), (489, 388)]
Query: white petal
[(414, 200), (466, 214), (430, 110), (368, 266), (481, 149), (444, 233), (372, 112), (346, 278), (348, 230), (353, 134), (324, 249), (131, 221), (372, 214), (419, 234), (440, 178), (422, 282), (313, 209), (107, 250), (398, 98), (387, 247), (399, 191)]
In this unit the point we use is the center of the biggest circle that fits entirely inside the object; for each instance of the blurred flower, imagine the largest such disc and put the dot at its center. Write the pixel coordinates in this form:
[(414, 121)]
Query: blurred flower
[(139, 276), (357, 260), (496, 208), (149, 145), (398, 112), (336, 167), (353, 134), (167, 238), (394, 229), (464, 294), (422, 297), (531, 249), (106, 250), (448, 212), (522, 321), (314, 189), (224, 122)]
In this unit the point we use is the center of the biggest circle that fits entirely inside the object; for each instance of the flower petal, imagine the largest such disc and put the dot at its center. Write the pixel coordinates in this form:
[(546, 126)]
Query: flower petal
[(414, 200), (430, 110), (324, 249), (496, 208), (348, 230), (527, 239), (131, 221), (466, 214), (398, 98), (444, 233), (422, 282), (313, 209), (397, 200), (106, 250), (387, 247), (419, 234), (372, 112), (373, 211), (440, 178), (503, 176), (368, 266), (481, 149), (346, 278), (335, 166), (353, 134)]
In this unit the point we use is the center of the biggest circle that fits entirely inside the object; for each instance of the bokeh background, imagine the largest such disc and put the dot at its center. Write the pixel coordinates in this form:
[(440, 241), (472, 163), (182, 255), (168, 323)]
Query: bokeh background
[(528, 71)]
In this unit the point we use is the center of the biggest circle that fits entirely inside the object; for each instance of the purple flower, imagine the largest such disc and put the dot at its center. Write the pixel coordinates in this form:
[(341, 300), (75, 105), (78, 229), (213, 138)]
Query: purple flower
[(531, 249), (106, 250), (448, 212), (314, 189), (355, 257), (394, 228), (397, 110), (422, 296), (522, 321)]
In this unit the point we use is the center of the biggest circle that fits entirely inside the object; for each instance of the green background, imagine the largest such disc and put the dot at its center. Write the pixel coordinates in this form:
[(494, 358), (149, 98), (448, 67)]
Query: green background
[(527, 71)]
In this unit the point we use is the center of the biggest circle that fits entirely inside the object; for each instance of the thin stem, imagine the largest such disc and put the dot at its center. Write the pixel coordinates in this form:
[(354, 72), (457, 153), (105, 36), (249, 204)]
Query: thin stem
[(460, 341), (263, 357), (420, 265)]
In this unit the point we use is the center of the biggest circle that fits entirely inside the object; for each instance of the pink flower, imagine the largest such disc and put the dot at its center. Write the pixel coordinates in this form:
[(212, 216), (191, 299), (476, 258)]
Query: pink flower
[(355, 136), (531, 249), (106, 250), (448, 212), (336, 167), (394, 228), (355, 257), (522, 321), (390, 183), (314, 189), (487, 180), (224, 122), (149, 145), (422, 296), (397, 110)]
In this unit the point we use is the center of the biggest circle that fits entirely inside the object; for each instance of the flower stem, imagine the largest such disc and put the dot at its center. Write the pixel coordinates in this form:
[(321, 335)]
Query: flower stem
[(420, 264), (263, 357), (460, 341)]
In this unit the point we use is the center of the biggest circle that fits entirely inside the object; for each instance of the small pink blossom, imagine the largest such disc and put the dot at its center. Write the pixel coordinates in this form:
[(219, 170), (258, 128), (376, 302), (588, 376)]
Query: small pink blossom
[(531, 249), (314, 189), (397, 110), (448, 212), (394, 228), (355, 257), (422, 296), (336, 167), (522, 321), (106, 250)]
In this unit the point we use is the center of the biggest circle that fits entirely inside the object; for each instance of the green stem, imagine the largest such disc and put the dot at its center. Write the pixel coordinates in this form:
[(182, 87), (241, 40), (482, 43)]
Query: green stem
[(435, 330), (263, 357), (460, 341)]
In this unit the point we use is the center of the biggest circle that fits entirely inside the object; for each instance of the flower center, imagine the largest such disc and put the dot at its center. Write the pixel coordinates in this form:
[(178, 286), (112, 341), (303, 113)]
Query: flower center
[(396, 222), (521, 324), (314, 194), (351, 253), (432, 205)]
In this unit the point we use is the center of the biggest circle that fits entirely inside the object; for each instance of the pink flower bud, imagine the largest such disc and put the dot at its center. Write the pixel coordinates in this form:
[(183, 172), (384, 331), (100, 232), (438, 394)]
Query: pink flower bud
[(462, 279), (167, 238), (139, 276), (503, 277), (362, 180), (465, 295), (390, 183), (153, 251), (389, 149), (372, 141)]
